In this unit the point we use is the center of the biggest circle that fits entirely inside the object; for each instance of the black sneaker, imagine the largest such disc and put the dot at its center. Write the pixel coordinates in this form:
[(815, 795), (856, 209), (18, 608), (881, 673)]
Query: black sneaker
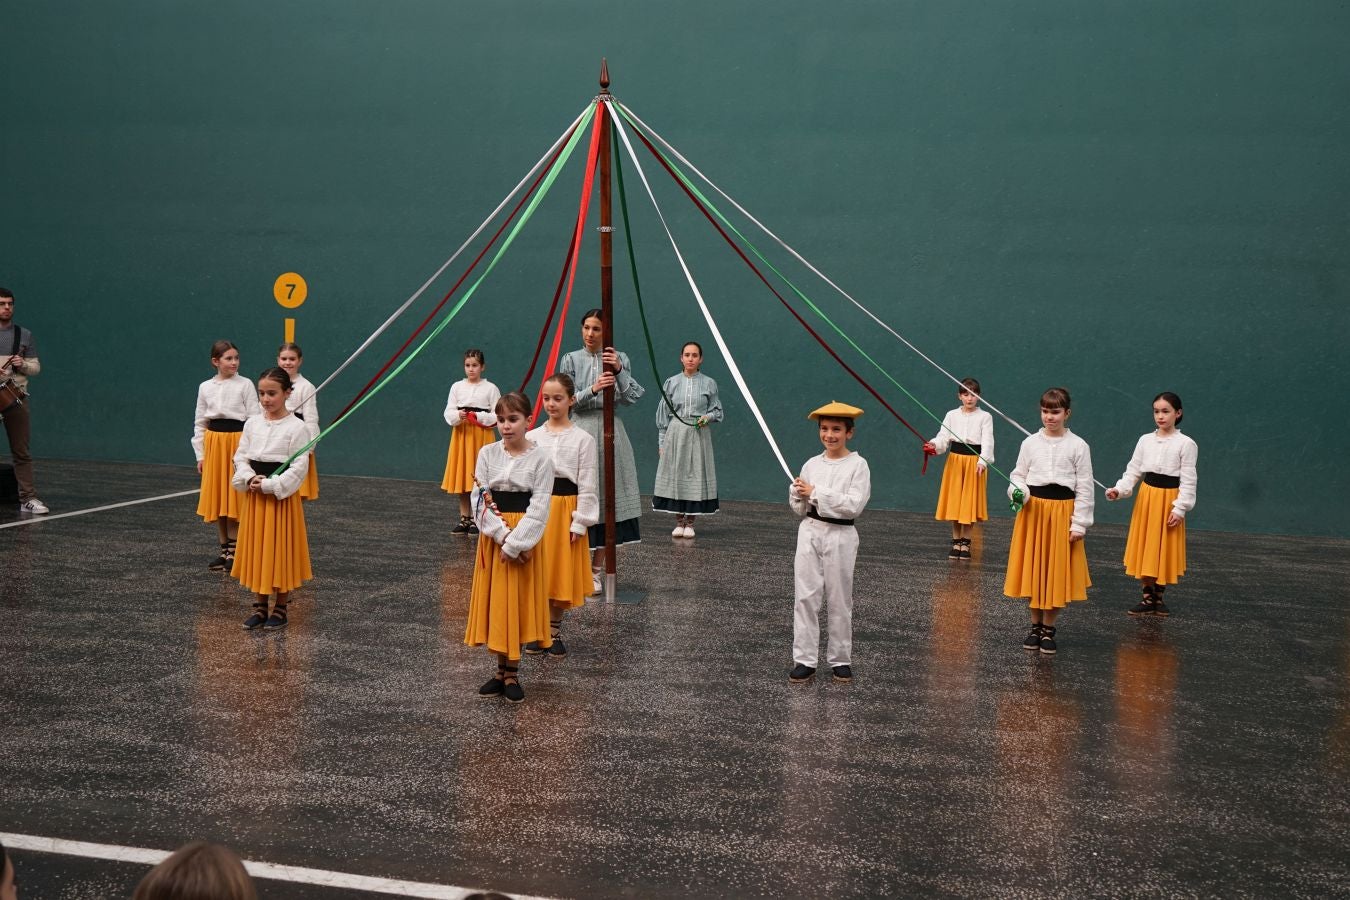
[(513, 692), (465, 523), (842, 674), (964, 552), (557, 650), (1033, 641), (801, 673), (956, 550), (1160, 609), (493, 689), (220, 563), (277, 619), (257, 619), (533, 648), (473, 530), (1048, 640)]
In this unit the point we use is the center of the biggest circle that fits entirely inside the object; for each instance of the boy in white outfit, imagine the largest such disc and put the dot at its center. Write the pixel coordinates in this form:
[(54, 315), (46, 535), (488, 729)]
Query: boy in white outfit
[(831, 492)]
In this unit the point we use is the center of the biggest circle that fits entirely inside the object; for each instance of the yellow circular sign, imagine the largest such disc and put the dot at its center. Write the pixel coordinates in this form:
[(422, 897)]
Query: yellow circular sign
[(290, 290)]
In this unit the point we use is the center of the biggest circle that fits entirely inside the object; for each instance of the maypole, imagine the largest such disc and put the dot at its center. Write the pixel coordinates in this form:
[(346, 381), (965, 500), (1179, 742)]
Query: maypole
[(607, 322)]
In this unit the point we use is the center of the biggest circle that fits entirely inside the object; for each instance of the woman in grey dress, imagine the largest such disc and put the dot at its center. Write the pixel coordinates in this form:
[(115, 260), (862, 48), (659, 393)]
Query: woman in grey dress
[(686, 478), (587, 367)]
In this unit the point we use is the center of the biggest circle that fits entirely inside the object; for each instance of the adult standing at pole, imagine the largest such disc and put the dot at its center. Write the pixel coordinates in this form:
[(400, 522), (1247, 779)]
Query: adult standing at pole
[(19, 352), (594, 369)]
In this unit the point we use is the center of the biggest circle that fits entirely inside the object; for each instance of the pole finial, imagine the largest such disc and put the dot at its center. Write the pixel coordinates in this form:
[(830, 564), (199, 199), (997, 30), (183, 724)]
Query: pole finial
[(604, 75)]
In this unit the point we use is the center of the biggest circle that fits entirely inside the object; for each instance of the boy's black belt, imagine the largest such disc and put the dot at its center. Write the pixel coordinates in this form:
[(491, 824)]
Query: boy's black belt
[(263, 468), (963, 449), (511, 501), (1153, 479), (564, 487), (811, 513), (1051, 491), (230, 425)]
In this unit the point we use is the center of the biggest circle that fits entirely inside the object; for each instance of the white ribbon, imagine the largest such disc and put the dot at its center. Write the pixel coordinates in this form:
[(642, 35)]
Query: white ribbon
[(712, 326), (492, 215)]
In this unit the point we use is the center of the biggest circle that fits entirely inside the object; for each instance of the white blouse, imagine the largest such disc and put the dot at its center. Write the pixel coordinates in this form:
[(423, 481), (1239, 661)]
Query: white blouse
[(302, 400), (1172, 455), (840, 488), (229, 398), (975, 427), (272, 440), (574, 456), (498, 470), (479, 394), (1065, 461)]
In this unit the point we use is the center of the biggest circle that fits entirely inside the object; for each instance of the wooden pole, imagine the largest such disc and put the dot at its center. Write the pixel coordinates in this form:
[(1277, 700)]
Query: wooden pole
[(607, 337)]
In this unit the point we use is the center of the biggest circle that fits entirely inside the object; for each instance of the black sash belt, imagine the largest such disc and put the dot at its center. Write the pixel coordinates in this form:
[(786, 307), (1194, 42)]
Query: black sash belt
[(811, 513), (961, 449), (564, 487), (299, 415), (263, 468), (230, 425), (472, 409), (1153, 479), (1051, 491), (511, 501)]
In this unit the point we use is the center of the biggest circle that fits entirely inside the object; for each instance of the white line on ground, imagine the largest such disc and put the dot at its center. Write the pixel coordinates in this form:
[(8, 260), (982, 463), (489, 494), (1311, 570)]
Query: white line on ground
[(37, 520), (271, 871)]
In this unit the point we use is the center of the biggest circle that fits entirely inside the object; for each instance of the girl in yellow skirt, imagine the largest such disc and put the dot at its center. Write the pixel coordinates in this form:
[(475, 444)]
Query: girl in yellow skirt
[(223, 403), (1155, 551), (469, 411), (574, 509), (273, 553), (508, 604), (1047, 562), (968, 432), (303, 403)]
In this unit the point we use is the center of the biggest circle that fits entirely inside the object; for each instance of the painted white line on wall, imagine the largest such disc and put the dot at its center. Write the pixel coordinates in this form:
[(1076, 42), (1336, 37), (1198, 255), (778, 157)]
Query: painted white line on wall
[(38, 520), (271, 871)]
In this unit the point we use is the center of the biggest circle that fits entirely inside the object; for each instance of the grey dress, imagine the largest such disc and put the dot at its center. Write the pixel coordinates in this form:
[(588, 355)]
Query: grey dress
[(585, 368), (686, 477)]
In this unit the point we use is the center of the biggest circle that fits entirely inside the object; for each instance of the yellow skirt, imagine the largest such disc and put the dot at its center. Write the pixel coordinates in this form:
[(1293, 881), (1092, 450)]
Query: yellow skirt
[(1043, 564), (310, 489), (272, 553), (465, 442), (567, 563), (1153, 549), (964, 496), (218, 498), (508, 605)]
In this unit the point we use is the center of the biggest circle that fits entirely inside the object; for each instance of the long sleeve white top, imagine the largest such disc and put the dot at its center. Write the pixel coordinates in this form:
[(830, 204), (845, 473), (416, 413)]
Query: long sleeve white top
[(272, 440), (303, 400), (228, 398), (500, 471), (976, 427), (1172, 455), (574, 456), (480, 394), (585, 368), (694, 396), (1063, 460), (840, 487)]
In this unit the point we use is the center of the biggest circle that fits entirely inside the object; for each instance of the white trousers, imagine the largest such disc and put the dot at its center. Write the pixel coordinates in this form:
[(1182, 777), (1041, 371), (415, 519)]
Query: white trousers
[(823, 571)]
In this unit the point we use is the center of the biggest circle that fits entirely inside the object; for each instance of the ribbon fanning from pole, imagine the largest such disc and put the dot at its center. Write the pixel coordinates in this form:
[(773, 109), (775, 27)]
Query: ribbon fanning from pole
[(703, 307)]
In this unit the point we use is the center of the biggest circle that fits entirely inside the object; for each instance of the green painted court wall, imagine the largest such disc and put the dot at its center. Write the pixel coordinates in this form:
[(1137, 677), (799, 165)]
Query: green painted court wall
[(1119, 197)]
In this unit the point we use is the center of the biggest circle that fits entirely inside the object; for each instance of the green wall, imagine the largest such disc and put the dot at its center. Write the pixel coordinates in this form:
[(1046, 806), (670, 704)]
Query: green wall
[(1119, 197)]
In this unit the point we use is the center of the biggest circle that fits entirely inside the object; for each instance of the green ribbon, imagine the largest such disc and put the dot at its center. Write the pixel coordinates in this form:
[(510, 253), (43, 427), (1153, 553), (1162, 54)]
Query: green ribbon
[(637, 288), (454, 311), (805, 299)]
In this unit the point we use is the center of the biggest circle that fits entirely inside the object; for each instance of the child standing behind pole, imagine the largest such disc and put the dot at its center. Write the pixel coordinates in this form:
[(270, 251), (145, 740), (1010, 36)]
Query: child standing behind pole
[(968, 432), (831, 492)]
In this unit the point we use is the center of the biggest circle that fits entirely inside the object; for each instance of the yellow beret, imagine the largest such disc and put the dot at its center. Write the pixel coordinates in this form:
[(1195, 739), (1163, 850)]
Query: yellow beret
[(836, 410)]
